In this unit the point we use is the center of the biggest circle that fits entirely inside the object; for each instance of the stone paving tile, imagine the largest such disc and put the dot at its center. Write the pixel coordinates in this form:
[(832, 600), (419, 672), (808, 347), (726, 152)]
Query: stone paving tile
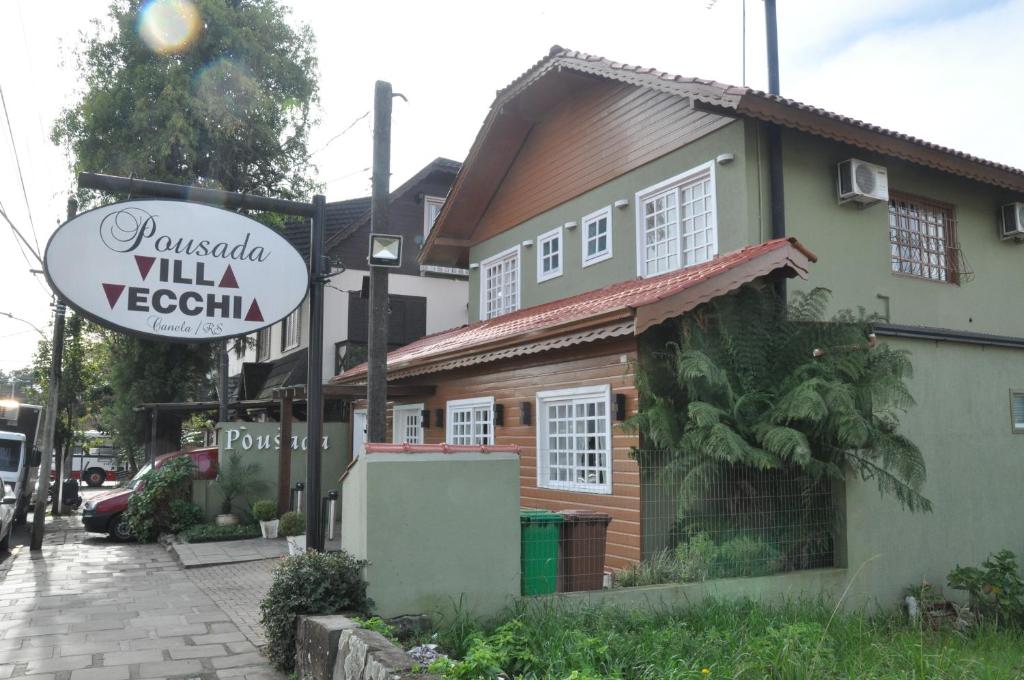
[(89, 609), (237, 590)]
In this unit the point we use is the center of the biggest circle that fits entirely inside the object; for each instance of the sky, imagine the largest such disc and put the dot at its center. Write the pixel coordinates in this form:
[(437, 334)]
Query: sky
[(942, 70)]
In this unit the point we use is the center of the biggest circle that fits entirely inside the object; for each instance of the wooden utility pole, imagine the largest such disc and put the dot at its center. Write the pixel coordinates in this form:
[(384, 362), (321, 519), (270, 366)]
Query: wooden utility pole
[(314, 374), (377, 352), (50, 421)]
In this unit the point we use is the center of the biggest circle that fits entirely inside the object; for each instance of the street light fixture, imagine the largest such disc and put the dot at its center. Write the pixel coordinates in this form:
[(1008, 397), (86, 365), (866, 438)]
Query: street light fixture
[(385, 250)]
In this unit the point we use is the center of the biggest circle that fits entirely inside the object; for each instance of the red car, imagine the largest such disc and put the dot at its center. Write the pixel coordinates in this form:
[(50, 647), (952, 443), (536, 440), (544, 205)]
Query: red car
[(104, 512)]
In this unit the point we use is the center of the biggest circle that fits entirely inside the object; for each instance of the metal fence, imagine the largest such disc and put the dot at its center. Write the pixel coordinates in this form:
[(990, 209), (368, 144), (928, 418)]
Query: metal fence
[(682, 521)]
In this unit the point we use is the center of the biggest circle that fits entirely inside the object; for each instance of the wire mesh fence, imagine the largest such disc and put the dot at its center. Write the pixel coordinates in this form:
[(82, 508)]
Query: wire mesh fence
[(698, 520)]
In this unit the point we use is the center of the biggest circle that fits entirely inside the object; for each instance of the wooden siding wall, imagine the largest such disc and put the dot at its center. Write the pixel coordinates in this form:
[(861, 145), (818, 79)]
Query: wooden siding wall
[(514, 381), (606, 130)]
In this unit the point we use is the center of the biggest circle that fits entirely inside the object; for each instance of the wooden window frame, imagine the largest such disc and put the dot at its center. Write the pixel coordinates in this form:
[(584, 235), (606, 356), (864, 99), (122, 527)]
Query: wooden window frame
[(495, 260), (292, 324), (547, 237), (600, 256), (473, 406), (1015, 427), (572, 397), (398, 434), (678, 184), (950, 244)]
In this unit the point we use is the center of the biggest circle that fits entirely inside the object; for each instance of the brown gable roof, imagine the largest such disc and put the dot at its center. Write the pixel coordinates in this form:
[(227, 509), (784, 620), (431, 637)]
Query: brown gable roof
[(503, 134), (625, 308)]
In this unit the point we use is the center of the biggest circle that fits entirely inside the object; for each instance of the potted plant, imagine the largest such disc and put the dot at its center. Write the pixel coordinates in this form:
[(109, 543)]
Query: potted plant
[(236, 479), (265, 512), (293, 526)]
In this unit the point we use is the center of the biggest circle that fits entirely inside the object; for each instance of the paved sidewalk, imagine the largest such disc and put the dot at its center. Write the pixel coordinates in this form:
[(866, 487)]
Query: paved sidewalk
[(228, 552), (238, 589), (89, 609)]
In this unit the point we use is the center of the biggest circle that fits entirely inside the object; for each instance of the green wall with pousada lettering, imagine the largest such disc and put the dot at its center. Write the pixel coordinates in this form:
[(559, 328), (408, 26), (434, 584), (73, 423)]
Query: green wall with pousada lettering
[(254, 442)]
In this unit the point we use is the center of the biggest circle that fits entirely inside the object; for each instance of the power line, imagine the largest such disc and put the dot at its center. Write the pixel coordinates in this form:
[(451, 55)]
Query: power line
[(22, 239), (17, 162), (337, 136)]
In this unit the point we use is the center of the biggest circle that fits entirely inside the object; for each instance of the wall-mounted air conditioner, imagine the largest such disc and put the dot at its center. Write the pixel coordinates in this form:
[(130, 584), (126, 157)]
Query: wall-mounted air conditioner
[(1011, 221), (860, 182)]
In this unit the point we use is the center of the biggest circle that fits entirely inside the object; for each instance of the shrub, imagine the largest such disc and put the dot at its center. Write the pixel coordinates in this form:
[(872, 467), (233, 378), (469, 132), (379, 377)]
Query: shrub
[(996, 590), (292, 524), (205, 533), (149, 508), (747, 556), (309, 584), (264, 511), (696, 558), (238, 479), (184, 515)]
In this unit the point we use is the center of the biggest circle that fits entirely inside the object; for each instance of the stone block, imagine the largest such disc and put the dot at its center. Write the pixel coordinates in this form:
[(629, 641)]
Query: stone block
[(316, 645), (354, 649), (384, 664)]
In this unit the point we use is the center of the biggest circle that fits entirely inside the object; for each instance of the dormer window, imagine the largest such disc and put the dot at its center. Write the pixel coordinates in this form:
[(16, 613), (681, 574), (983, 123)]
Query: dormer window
[(431, 209)]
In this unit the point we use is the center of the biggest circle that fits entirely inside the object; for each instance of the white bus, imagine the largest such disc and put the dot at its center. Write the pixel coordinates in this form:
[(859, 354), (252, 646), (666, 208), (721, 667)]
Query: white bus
[(96, 462)]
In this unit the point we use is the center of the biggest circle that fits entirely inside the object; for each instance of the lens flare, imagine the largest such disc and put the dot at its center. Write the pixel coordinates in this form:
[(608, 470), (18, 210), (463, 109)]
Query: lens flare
[(168, 26)]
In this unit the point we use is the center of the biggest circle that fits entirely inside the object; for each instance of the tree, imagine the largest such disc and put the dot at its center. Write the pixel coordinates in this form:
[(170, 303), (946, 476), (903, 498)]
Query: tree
[(745, 382), (214, 93), (22, 384)]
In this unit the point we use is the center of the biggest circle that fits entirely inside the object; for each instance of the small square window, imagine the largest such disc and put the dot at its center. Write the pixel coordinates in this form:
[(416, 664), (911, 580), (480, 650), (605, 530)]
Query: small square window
[(470, 421), (549, 254), (597, 236), (1017, 411)]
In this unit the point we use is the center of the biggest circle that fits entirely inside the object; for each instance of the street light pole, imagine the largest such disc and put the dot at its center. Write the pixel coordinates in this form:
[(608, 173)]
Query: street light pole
[(314, 374), (376, 379)]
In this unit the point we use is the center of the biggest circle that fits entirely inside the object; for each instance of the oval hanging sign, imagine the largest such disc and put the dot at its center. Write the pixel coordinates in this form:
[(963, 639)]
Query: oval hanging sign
[(173, 270)]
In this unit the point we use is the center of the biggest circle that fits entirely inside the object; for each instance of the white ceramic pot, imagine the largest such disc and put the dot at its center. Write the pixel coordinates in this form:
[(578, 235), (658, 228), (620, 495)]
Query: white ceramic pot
[(296, 545), (269, 529), (226, 520)]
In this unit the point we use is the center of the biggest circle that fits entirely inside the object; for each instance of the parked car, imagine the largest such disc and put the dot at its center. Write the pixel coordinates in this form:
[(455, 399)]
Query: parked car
[(104, 513), (7, 502)]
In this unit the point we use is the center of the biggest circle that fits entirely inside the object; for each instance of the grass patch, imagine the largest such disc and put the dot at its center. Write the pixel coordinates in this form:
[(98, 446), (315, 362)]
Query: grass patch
[(724, 640), (206, 533)]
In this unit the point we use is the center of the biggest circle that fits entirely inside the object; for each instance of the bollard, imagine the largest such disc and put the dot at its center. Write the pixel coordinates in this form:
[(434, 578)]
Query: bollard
[(297, 506), (332, 504)]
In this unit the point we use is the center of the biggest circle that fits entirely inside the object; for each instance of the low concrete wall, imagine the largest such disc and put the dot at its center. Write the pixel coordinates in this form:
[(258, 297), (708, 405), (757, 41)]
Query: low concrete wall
[(815, 583), (439, 529), (337, 648)]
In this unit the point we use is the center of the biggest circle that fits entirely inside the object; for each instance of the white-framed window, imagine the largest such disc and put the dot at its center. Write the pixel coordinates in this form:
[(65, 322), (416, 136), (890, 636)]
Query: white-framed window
[(406, 426), (499, 284), (676, 223), (574, 440), (1017, 411), (470, 421), (431, 209), (263, 344), (291, 330), (597, 236), (549, 254)]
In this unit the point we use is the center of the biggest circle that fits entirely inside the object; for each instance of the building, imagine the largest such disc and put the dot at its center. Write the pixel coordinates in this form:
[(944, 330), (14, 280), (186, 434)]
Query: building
[(591, 180), (423, 299)]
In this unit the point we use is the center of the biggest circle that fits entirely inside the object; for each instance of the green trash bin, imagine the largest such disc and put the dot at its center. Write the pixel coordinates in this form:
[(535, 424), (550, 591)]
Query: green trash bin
[(540, 529)]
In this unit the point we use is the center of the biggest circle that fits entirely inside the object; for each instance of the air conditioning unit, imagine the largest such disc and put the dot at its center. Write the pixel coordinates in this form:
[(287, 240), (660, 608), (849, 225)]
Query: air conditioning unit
[(860, 182), (1011, 221)]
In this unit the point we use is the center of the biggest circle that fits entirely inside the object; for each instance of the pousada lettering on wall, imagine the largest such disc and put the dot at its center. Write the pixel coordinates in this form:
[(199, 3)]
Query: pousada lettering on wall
[(266, 437)]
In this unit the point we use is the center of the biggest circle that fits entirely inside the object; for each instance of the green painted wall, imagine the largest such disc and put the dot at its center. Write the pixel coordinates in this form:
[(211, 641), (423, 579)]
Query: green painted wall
[(440, 530), (853, 243), (737, 219), (256, 443)]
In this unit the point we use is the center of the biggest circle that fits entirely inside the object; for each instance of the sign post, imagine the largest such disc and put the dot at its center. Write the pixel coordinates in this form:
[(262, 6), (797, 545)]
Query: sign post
[(182, 270)]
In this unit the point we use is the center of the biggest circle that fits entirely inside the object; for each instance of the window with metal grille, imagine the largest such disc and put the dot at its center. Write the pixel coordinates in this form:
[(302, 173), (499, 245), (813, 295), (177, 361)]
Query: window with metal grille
[(499, 284), (574, 440), (406, 425), (549, 254), (922, 238), (1017, 410), (677, 226), (470, 421), (263, 344)]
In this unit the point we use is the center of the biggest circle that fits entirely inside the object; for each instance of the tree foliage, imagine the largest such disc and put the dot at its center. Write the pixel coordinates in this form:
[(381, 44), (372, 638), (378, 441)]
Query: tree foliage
[(228, 109), (736, 385)]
